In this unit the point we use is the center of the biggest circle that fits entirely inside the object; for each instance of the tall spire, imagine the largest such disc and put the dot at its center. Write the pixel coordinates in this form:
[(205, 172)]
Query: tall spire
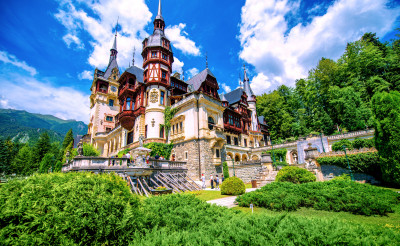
[(246, 87), (114, 47), (159, 23), (159, 14)]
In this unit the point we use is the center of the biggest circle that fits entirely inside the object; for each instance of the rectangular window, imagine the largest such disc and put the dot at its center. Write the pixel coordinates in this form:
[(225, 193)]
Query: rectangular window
[(236, 141), (111, 103), (129, 138), (217, 153), (186, 155), (228, 140), (165, 57), (109, 118), (173, 129), (154, 54), (164, 74), (162, 97), (161, 131), (181, 126), (245, 143), (145, 131)]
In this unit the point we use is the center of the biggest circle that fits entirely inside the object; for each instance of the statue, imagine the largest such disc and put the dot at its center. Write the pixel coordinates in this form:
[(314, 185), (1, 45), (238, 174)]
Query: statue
[(80, 148), (141, 138)]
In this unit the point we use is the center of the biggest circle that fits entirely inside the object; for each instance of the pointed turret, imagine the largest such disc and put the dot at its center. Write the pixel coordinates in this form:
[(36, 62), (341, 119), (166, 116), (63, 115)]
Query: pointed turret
[(224, 100), (113, 57), (246, 87), (159, 23)]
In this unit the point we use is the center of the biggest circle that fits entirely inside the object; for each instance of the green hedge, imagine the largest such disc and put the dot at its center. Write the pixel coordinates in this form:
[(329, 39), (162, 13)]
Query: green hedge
[(295, 175), (361, 163), (335, 196), (357, 143), (64, 209), (233, 186), (88, 209)]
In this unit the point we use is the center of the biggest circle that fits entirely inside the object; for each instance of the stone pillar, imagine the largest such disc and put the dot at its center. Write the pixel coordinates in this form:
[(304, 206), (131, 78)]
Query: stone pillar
[(311, 162), (266, 161)]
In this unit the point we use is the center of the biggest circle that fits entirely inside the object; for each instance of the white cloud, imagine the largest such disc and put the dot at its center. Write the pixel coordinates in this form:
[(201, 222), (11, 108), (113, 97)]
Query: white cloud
[(192, 72), (11, 59), (180, 41), (261, 83), (27, 93), (286, 55), (86, 75), (226, 88), (72, 39), (177, 66), (99, 23)]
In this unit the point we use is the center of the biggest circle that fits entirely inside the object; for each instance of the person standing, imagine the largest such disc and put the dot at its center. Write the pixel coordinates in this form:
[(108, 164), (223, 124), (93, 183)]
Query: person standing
[(203, 179), (222, 178), (217, 182), (212, 181)]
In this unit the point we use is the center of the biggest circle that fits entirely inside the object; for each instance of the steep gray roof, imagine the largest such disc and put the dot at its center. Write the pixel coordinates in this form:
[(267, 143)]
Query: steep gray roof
[(223, 98), (198, 79), (261, 119), (111, 65), (138, 72), (234, 96)]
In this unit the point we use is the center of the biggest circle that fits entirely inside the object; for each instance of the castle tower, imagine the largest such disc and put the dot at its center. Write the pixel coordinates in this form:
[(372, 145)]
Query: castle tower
[(104, 95), (251, 100), (157, 64)]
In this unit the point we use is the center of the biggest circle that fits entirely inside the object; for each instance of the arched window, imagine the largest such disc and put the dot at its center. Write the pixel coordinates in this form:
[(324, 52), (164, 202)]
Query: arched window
[(128, 103), (211, 123)]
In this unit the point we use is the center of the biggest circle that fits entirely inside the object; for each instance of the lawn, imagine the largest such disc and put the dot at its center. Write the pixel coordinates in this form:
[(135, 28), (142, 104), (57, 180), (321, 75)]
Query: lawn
[(391, 221), (207, 195)]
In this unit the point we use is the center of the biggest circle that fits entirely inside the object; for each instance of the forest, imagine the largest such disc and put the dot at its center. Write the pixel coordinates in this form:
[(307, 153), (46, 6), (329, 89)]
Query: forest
[(336, 96)]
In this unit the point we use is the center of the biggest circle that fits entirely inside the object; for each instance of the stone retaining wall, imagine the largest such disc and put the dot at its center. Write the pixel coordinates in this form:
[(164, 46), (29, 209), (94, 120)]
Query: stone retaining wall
[(246, 172), (329, 172)]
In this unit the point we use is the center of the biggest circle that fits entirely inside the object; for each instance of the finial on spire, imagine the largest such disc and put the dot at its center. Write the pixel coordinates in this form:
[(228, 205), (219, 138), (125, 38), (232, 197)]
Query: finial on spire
[(206, 60), (159, 8), (116, 27), (245, 74), (133, 56), (114, 47), (183, 74)]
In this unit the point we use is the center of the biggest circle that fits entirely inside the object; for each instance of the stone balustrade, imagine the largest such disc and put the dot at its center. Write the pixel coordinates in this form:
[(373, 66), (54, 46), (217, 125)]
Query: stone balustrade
[(352, 134), (349, 152)]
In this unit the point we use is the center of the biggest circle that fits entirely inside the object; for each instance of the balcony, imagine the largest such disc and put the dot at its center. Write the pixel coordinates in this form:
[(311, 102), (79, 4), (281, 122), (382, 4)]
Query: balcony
[(232, 128), (129, 88), (127, 117)]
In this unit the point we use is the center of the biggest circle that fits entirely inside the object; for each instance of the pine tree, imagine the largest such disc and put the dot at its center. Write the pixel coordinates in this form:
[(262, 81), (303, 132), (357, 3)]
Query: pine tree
[(4, 157), (22, 163), (46, 163), (69, 137), (42, 147)]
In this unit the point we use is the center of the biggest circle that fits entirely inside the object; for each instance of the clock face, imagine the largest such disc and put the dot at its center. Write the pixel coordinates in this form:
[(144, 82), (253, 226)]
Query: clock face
[(113, 88)]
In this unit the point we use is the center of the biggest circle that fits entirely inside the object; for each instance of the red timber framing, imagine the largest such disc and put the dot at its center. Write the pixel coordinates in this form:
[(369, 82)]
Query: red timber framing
[(131, 97), (157, 60), (210, 87), (101, 86)]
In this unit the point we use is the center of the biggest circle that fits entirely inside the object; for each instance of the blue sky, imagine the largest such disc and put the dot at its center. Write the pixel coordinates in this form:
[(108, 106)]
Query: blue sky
[(48, 51)]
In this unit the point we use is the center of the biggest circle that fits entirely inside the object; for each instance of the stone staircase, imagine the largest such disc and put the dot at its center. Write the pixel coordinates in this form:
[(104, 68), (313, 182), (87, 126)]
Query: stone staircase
[(266, 177)]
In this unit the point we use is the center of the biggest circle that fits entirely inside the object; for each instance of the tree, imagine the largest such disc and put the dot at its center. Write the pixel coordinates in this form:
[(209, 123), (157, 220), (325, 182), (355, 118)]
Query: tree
[(42, 147), (22, 163), (89, 150), (46, 163), (4, 157), (386, 112), (69, 137)]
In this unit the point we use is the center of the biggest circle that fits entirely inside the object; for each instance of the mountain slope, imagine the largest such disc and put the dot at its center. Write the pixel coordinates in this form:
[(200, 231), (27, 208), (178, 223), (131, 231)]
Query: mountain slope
[(25, 127)]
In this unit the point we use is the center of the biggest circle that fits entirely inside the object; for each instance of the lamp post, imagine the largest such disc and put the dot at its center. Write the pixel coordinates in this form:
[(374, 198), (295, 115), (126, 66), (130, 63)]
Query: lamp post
[(322, 142), (233, 165), (348, 163)]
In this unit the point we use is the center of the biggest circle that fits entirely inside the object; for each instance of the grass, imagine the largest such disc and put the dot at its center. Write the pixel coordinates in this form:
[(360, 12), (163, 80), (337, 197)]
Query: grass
[(207, 195), (390, 221)]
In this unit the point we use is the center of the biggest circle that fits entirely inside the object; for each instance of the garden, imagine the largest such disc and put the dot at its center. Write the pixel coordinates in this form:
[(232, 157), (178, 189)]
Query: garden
[(89, 209)]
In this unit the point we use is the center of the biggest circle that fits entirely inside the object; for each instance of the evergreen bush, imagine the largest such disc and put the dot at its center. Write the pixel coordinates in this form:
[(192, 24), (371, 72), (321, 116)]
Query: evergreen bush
[(338, 146), (336, 195), (66, 209), (161, 149), (295, 175), (90, 150), (233, 186), (225, 169), (46, 163)]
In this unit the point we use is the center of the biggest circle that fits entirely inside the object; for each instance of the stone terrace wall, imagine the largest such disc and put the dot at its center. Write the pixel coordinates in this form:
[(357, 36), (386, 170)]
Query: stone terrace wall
[(330, 172), (246, 172)]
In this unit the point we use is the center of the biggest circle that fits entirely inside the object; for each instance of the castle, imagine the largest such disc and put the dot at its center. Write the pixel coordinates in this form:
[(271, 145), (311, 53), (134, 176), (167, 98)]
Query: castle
[(207, 128)]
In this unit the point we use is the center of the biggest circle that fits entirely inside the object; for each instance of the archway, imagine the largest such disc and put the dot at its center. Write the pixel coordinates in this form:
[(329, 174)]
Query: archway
[(244, 157), (255, 158), (237, 158)]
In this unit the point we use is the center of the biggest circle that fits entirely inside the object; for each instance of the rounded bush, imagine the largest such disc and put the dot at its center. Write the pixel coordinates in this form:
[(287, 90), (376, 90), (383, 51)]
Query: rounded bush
[(295, 175), (66, 209), (233, 186)]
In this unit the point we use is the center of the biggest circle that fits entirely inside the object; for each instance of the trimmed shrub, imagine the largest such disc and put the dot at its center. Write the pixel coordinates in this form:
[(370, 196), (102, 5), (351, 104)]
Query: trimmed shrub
[(225, 169), (90, 150), (295, 175), (233, 186), (343, 177), (361, 163), (335, 196), (338, 146), (65, 209)]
